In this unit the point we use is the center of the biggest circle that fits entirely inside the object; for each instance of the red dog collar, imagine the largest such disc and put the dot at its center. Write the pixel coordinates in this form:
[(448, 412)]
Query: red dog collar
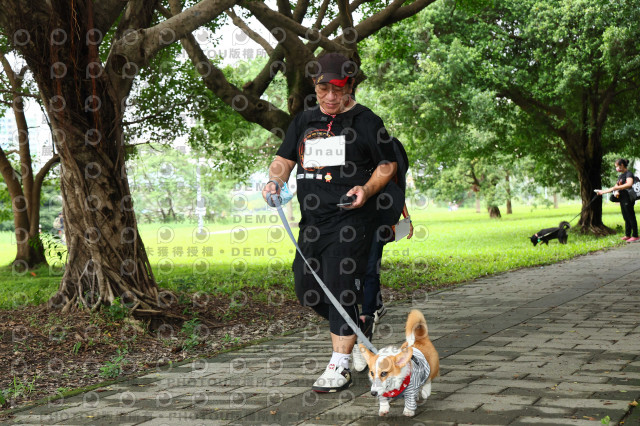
[(395, 392)]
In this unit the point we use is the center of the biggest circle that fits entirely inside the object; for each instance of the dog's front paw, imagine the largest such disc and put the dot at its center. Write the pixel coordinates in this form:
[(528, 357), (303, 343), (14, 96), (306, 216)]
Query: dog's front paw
[(408, 413), (384, 408)]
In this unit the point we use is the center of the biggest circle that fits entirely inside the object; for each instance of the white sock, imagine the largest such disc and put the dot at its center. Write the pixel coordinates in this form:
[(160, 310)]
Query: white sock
[(340, 360)]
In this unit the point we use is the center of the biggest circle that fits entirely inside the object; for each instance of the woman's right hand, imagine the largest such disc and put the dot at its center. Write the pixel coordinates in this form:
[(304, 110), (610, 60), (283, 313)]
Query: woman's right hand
[(270, 188)]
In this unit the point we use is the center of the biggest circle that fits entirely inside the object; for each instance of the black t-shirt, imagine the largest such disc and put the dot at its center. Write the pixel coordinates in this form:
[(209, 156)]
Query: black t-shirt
[(622, 179), (367, 144)]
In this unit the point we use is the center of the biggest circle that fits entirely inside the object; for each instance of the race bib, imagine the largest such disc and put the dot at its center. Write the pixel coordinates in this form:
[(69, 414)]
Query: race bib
[(324, 152)]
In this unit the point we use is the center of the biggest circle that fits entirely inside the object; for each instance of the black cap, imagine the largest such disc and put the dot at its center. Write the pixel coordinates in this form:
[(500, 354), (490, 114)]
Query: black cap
[(335, 68)]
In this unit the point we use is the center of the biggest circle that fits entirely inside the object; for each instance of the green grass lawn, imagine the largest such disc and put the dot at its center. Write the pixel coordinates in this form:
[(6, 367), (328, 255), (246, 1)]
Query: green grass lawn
[(448, 247), (451, 247)]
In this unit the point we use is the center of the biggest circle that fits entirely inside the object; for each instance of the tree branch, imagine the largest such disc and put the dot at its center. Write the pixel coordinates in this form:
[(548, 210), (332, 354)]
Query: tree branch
[(258, 85), (558, 112), (137, 47), (261, 82), (382, 18), (23, 130), (34, 212), (333, 26), (626, 89), (321, 13), (535, 109), (183, 23), (272, 20), (284, 8), (24, 95), (300, 10), (270, 70), (253, 109), (42, 173), (346, 21), (10, 176), (22, 72), (11, 75), (249, 32), (137, 16), (132, 145), (603, 112), (409, 10)]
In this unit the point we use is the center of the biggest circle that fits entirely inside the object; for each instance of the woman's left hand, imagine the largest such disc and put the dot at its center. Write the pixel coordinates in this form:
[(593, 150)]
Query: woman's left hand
[(361, 196)]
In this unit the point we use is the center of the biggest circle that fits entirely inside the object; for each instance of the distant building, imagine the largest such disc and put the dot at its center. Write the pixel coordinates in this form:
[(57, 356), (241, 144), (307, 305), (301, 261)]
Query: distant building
[(7, 127), (40, 144)]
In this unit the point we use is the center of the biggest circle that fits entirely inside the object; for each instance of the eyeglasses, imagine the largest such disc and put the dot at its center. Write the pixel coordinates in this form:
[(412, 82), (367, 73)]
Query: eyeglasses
[(324, 88)]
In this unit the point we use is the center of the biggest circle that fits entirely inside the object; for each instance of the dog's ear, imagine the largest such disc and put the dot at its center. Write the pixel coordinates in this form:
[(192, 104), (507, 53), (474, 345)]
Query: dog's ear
[(366, 353), (403, 357)]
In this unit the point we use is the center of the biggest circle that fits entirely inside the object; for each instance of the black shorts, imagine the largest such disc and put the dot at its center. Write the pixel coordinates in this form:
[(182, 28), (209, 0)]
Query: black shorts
[(338, 257)]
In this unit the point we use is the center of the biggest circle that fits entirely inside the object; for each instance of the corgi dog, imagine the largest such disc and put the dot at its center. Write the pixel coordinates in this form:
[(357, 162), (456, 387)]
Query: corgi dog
[(406, 370)]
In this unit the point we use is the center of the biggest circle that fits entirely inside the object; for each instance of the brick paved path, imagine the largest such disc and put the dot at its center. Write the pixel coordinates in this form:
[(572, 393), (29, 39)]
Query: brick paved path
[(554, 345)]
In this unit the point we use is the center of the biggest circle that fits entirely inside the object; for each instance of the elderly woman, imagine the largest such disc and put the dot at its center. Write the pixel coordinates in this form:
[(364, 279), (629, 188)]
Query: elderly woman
[(625, 181), (344, 157)]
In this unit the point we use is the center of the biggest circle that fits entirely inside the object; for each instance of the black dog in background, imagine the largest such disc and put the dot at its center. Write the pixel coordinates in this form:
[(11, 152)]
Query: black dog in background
[(544, 235)]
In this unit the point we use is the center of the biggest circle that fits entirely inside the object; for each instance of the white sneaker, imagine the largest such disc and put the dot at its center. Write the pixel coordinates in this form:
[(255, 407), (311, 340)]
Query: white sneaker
[(333, 379), (359, 363)]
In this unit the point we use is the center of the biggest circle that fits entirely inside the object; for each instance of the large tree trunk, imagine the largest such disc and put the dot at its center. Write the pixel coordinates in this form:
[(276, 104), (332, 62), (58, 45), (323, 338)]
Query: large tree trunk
[(494, 212), (30, 251), (24, 189), (591, 214), (106, 257), (585, 151)]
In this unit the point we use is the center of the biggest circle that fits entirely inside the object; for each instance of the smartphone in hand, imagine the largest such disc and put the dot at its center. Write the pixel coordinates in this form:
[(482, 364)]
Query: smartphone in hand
[(347, 201)]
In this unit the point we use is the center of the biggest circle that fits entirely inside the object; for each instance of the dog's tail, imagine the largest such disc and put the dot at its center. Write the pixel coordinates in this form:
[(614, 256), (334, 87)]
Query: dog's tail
[(564, 225), (416, 328), (418, 333)]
